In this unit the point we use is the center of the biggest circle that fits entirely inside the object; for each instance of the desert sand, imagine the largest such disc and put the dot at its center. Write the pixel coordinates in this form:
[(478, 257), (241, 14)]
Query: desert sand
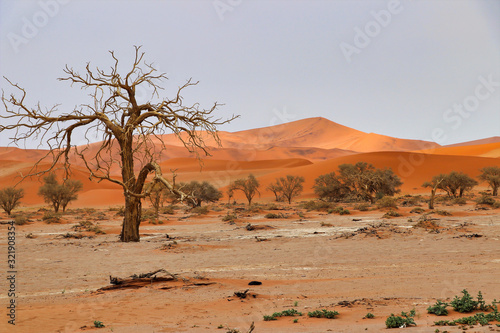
[(306, 259)]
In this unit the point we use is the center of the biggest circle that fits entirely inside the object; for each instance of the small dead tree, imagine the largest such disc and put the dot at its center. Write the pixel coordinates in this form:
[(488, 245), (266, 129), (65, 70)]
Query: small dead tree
[(125, 124), (10, 198), (249, 186), (434, 184), (157, 195)]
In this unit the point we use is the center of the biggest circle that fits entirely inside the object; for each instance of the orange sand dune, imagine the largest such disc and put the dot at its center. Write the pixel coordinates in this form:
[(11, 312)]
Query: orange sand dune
[(18, 154), (413, 168), (31, 184), (193, 165), (484, 150), (311, 132), (493, 139)]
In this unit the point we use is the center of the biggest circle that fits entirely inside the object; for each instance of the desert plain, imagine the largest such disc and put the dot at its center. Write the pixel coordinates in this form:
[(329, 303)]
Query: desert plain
[(305, 258)]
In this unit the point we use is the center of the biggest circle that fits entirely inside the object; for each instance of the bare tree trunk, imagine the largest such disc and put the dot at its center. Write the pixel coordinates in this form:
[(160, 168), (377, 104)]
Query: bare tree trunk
[(431, 200), (131, 220), (495, 191)]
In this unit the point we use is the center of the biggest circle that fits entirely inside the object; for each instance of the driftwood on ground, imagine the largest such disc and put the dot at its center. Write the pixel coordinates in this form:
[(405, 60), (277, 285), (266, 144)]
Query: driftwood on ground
[(136, 281)]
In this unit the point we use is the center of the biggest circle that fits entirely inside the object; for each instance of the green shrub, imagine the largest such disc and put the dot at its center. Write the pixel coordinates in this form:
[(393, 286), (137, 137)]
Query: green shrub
[(478, 318), (465, 303), (387, 202), (323, 314), (406, 319), (98, 324), (369, 315), (438, 309), (285, 313)]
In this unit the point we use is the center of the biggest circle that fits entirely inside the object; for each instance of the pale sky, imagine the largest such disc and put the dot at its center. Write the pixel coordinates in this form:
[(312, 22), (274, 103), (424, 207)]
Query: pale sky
[(424, 69)]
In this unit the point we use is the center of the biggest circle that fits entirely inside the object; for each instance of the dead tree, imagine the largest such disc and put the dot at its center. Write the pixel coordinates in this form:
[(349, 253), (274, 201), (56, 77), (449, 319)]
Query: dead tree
[(126, 127)]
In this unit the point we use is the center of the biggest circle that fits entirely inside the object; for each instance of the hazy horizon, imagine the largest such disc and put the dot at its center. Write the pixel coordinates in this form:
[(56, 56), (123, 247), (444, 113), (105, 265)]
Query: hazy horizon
[(407, 69)]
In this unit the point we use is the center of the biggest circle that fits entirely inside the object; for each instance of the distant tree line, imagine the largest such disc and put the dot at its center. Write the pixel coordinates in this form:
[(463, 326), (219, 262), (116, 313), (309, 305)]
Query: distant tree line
[(353, 182)]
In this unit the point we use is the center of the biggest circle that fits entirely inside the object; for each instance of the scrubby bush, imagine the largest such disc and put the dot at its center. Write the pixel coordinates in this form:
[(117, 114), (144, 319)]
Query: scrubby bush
[(200, 210), (417, 210), (229, 217), (317, 205), (391, 213), (20, 219), (339, 210), (406, 319), (438, 309), (285, 313), (51, 217), (441, 212), (486, 200), (460, 201), (169, 210), (362, 207), (323, 314), (274, 216), (465, 303), (387, 202)]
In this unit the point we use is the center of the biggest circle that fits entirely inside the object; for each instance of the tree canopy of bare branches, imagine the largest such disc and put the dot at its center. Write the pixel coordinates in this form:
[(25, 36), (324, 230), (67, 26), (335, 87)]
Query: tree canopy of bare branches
[(121, 122)]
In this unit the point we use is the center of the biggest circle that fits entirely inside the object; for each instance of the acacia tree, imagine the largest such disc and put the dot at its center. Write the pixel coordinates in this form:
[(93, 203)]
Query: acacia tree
[(10, 198), (328, 187), (364, 180), (249, 186), (276, 189), (124, 123), (491, 175), (287, 187), (59, 195), (203, 191), (456, 183)]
